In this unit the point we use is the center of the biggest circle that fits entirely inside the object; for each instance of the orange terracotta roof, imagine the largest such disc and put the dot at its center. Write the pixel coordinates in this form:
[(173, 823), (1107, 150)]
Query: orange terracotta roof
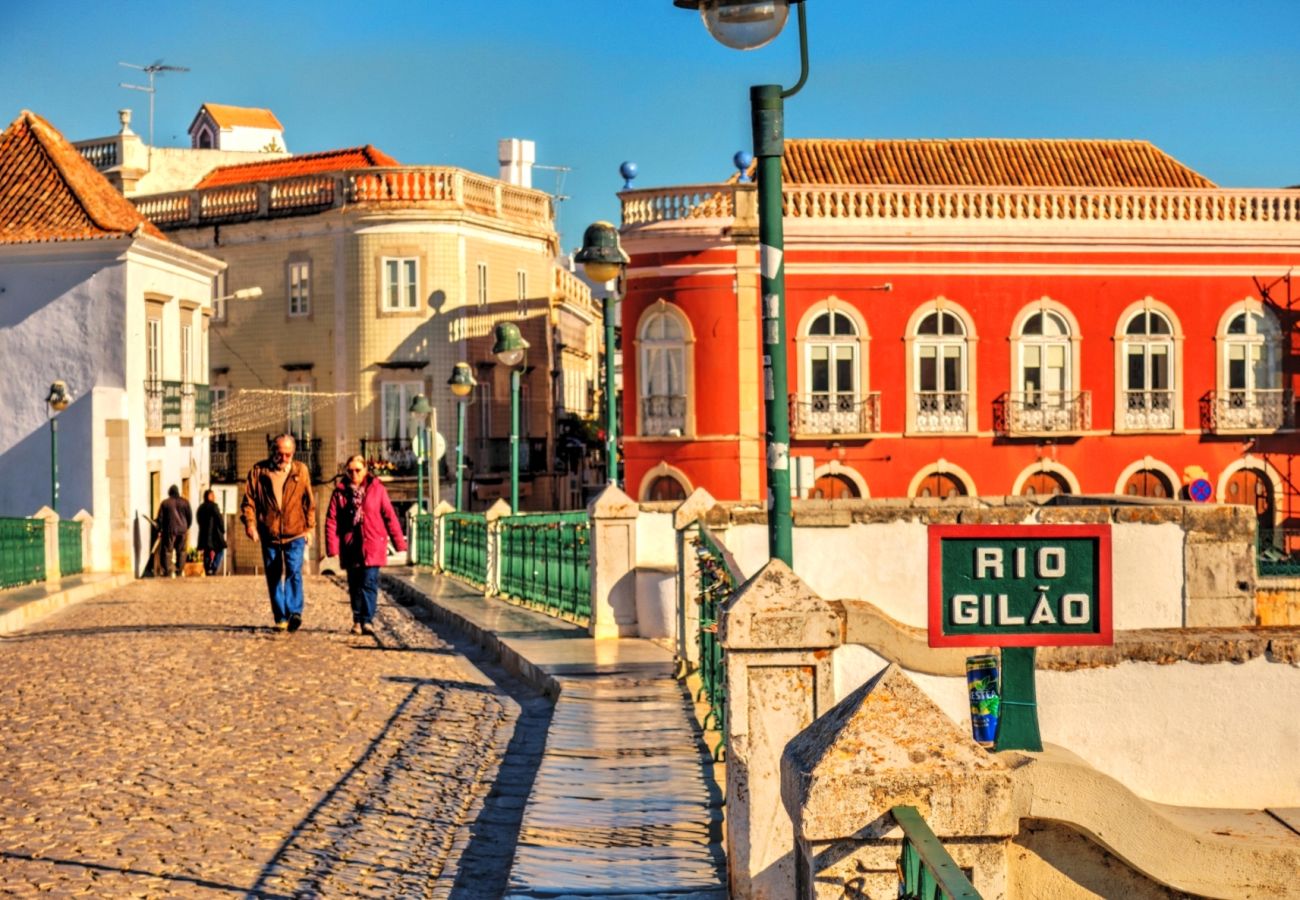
[(240, 116), (987, 163), (48, 192), (307, 164)]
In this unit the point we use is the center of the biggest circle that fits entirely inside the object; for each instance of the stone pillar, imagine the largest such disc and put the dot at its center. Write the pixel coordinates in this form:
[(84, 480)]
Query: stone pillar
[(87, 525), (777, 636), (686, 523), (496, 512), (440, 533), (613, 517), (411, 557), (51, 520)]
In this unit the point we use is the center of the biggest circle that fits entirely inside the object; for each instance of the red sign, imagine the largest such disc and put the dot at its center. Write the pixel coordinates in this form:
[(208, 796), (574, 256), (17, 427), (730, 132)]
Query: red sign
[(1019, 585)]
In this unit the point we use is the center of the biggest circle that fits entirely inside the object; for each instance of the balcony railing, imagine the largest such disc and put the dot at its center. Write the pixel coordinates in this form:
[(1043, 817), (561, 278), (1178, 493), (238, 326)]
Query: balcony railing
[(306, 452), (428, 186), (1043, 412), (223, 459), (1247, 410), (663, 415), (162, 405), (1149, 410), (835, 413), (1142, 207), (941, 412), (390, 456), (202, 406)]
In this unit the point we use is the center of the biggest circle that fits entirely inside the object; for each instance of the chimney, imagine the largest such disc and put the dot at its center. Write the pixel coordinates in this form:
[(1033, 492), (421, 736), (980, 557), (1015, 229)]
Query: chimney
[(517, 157)]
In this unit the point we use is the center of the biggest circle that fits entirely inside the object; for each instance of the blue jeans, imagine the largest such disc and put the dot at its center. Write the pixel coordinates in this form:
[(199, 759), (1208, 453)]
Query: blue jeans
[(363, 591), (212, 560), (283, 564)]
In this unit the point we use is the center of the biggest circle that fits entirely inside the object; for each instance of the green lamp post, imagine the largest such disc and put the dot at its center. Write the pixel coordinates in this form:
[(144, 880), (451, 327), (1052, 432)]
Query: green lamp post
[(603, 260), (419, 412), (748, 25), (462, 388), (511, 350), (58, 401)]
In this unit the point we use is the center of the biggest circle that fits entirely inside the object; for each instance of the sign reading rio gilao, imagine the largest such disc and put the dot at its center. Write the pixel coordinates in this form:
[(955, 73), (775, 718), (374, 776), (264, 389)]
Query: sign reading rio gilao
[(1019, 585)]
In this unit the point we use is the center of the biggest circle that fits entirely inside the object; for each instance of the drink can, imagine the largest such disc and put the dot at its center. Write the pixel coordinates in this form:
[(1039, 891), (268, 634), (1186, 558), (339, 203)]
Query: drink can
[(984, 686)]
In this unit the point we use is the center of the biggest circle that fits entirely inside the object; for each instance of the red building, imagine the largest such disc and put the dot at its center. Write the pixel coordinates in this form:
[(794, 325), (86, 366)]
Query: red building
[(984, 317)]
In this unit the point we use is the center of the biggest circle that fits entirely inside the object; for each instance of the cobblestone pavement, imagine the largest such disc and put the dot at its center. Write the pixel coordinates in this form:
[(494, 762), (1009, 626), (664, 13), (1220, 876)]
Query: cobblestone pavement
[(163, 740)]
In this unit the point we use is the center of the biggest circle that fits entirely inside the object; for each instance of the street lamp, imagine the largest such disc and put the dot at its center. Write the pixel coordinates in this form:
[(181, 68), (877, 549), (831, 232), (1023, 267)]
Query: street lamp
[(603, 260), (419, 411), (58, 401), (747, 25), (511, 350), (462, 386)]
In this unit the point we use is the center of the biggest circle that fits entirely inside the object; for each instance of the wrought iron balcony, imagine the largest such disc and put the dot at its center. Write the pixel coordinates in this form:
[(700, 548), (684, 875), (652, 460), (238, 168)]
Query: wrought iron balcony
[(664, 414), (942, 412), (1148, 410), (1247, 410), (223, 459), (390, 456), (1043, 412), (835, 413), (162, 406)]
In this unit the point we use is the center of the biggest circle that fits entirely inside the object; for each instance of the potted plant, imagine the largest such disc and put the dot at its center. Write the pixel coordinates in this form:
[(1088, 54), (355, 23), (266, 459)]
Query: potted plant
[(193, 563)]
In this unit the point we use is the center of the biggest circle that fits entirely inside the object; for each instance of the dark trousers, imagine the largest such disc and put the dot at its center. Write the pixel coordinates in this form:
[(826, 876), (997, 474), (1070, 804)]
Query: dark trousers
[(363, 591), (172, 546)]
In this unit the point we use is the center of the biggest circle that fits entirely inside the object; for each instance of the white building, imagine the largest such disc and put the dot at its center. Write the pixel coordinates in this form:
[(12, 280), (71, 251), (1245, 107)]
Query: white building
[(92, 294), (217, 126)]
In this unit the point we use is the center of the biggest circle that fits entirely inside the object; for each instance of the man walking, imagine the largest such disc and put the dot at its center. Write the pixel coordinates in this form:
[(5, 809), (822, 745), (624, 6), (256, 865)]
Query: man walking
[(279, 510), (174, 520), (212, 532)]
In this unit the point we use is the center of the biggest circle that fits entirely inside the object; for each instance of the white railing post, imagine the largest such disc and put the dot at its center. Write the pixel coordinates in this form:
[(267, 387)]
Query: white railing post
[(496, 512), (51, 520), (613, 517), (87, 525), (440, 533)]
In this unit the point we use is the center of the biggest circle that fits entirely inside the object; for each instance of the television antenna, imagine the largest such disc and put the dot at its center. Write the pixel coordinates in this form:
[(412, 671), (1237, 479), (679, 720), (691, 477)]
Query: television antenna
[(558, 194), (153, 69)]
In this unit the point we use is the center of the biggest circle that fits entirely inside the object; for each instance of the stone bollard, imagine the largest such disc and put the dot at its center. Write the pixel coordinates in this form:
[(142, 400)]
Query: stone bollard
[(885, 745), (412, 558), (87, 526), (51, 520), (777, 636), (495, 513), (440, 533), (613, 517)]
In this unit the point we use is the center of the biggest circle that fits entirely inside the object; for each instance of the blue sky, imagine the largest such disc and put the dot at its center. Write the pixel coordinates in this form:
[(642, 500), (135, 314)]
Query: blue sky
[(596, 82)]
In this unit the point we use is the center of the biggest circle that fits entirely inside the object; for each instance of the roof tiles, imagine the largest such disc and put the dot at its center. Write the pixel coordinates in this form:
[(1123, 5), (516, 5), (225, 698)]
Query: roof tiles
[(987, 163), (307, 164), (48, 192), (241, 116)]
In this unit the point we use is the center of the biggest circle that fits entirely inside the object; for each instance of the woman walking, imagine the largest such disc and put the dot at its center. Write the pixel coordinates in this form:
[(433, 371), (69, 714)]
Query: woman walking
[(358, 524)]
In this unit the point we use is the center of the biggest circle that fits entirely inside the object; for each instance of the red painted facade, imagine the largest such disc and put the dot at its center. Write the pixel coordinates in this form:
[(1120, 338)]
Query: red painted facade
[(1118, 412)]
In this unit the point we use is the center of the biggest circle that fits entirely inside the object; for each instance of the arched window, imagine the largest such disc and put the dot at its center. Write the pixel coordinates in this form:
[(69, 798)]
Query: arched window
[(1148, 483), (940, 372), (941, 484), (1044, 484), (1250, 374), (662, 342), (1045, 399), (665, 487), (833, 487), (830, 402), (1148, 348)]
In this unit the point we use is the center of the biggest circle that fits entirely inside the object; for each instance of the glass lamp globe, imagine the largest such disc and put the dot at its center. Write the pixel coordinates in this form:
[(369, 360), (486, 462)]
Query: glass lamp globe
[(744, 24)]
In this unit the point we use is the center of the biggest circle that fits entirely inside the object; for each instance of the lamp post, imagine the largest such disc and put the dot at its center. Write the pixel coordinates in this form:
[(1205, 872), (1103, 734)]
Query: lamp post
[(420, 411), (603, 260), (511, 350), (747, 25), (462, 387), (58, 401)]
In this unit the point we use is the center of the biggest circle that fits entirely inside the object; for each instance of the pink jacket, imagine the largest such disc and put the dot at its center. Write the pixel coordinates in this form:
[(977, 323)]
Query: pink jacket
[(366, 545)]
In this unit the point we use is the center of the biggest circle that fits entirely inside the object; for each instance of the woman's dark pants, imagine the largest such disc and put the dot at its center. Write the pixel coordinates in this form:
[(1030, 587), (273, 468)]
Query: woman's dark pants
[(363, 591)]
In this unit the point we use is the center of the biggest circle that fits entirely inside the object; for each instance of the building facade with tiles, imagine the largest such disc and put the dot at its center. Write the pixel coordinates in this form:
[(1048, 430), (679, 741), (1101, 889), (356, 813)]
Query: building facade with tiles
[(971, 317), (93, 295), (376, 279)]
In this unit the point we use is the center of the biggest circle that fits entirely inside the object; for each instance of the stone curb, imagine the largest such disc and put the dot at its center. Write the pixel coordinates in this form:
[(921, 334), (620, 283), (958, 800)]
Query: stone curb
[(28, 613)]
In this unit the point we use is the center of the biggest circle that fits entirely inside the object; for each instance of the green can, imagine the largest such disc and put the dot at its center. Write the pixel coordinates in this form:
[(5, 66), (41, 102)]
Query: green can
[(984, 687)]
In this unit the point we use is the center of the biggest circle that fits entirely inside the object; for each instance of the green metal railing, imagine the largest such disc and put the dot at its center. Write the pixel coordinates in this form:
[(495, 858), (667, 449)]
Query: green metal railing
[(202, 406), (70, 548), (926, 871), (22, 551), (171, 405), (1278, 552), (718, 582), (545, 560), (422, 539), (464, 546)]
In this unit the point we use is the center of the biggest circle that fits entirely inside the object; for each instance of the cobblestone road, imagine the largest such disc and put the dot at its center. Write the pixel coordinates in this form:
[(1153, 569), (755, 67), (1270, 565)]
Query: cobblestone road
[(162, 740)]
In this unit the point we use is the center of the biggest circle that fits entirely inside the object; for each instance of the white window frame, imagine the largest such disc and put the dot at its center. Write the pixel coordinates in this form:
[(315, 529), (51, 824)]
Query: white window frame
[(400, 293), (218, 396), (954, 404), (833, 343), (153, 360), (219, 300), (482, 284), (187, 353), (1149, 347), (298, 415), (298, 278), (406, 392), (663, 364)]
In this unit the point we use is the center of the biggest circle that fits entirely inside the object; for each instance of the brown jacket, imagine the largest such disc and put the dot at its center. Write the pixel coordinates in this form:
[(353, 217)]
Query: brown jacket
[(274, 524)]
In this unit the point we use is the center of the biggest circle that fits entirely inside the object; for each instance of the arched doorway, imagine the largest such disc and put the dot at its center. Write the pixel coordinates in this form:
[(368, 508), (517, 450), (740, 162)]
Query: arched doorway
[(940, 484), (665, 487), (1148, 483), (1044, 484), (833, 487), (1251, 487)]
